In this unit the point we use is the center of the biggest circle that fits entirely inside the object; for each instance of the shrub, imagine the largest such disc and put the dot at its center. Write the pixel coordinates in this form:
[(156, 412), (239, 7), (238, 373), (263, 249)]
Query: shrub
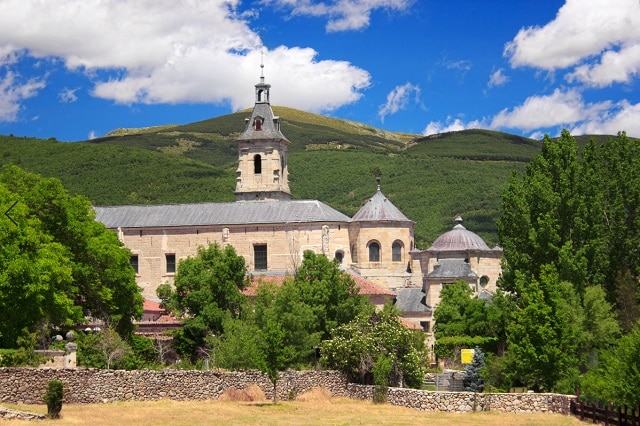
[(53, 398)]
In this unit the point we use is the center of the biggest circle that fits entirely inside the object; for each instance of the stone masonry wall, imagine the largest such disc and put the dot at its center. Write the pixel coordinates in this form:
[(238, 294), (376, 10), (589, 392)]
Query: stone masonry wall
[(28, 385)]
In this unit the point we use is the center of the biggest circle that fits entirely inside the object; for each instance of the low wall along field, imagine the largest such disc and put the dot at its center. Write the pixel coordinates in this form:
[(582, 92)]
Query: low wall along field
[(28, 385)]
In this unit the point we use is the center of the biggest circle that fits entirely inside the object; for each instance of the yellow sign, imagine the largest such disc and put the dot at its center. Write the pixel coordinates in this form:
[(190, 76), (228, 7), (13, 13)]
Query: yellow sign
[(467, 355)]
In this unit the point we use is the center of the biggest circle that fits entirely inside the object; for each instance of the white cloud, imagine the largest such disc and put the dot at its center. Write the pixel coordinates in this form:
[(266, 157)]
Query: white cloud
[(343, 15), (567, 109), (92, 135), (581, 29), (67, 95), (398, 99), (173, 51), (497, 78), (558, 108), (450, 125), (614, 67), (13, 91), (623, 116)]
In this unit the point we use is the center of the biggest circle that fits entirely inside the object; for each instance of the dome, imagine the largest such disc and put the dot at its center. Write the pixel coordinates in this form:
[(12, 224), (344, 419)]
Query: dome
[(458, 239)]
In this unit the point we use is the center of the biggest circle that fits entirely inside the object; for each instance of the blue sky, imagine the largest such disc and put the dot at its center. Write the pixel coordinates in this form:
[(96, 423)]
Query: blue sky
[(77, 69)]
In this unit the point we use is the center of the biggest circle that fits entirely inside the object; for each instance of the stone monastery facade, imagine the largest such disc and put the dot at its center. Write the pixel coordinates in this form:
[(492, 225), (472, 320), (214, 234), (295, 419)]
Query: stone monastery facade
[(272, 231)]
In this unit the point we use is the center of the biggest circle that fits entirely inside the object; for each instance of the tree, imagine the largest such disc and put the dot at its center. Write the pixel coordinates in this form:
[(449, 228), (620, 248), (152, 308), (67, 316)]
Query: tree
[(57, 264), (208, 292), (473, 381), (544, 334), (355, 347), (463, 320), (570, 224), (331, 293), (617, 376)]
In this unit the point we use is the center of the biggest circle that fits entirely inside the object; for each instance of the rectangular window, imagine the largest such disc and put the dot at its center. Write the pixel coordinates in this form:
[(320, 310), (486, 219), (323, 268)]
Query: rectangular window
[(260, 257), (171, 263), (134, 262)]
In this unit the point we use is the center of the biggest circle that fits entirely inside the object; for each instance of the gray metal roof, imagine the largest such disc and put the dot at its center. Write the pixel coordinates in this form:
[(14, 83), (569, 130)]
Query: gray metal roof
[(452, 268), (269, 129), (203, 214), (459, 239), (379, 208), (411, 299)]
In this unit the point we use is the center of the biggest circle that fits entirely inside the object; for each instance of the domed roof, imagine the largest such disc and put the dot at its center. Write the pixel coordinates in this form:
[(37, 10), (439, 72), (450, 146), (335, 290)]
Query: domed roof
[(459, 238)]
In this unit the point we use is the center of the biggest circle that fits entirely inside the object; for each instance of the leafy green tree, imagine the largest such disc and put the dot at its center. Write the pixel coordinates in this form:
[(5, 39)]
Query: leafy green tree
[(356, 346), (331, 293), (569, 225), (237, 348), (57, 264), (463, 321), (208, 292), (544, 334), (617, 376)]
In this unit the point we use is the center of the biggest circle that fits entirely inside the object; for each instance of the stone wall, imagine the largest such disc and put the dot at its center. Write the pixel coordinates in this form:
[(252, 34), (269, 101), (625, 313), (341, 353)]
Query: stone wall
[(468, 401), (28, 385)]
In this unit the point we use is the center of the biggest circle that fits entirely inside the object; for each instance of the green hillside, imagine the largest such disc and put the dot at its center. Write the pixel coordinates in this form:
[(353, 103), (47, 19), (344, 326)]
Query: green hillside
[(431, 179)]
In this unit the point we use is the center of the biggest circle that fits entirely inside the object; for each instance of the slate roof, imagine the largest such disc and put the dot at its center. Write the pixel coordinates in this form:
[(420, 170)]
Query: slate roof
[(452, 268), (411, 299), (379, 208), (269, 128), (206, 214)]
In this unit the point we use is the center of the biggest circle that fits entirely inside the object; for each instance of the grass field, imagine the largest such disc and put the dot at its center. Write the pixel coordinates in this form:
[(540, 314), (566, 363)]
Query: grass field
[(314, 411)]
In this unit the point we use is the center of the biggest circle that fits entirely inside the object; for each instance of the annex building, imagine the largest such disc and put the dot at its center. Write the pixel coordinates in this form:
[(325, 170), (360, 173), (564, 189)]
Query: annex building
[(272, 231)]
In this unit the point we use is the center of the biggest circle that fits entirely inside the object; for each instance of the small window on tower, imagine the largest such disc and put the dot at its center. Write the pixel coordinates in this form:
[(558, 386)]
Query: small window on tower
[(257, 124), (257, 164)]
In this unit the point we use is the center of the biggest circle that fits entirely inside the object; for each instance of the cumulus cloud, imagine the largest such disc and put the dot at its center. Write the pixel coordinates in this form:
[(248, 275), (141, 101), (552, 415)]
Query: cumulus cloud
[(13, 90), (614, 67), (343, 15), (567, 109), (398, 99), (173, 51), (497, 78), (605, 34), (622, 116), (450, 125), (582, 28)]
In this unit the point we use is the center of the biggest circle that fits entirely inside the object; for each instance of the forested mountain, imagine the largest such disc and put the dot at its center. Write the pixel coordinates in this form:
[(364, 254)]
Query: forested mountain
[(431, 179)]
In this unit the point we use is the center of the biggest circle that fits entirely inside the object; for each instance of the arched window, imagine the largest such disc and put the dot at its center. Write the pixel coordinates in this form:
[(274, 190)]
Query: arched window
[(396, 251), (339, 256), (374, 252), (257, 164)]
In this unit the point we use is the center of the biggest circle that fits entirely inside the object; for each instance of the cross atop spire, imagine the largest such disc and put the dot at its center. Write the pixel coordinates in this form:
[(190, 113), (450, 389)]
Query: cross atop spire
[(262, 88)]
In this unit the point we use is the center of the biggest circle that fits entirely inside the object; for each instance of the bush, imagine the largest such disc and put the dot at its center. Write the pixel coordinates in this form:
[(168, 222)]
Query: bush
[(381, 370), (53, 398)]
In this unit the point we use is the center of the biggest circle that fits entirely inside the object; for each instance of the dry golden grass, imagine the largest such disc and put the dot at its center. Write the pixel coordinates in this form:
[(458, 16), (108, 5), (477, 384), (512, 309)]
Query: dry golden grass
[(313, 408)]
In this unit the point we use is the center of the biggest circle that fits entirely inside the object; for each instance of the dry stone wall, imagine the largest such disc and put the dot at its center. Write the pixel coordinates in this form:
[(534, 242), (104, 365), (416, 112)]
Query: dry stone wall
[(28, 385)]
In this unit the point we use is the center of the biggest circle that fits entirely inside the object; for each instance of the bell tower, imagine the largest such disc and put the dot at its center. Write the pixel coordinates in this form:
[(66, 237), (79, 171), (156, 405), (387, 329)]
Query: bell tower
[(262, 173)]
